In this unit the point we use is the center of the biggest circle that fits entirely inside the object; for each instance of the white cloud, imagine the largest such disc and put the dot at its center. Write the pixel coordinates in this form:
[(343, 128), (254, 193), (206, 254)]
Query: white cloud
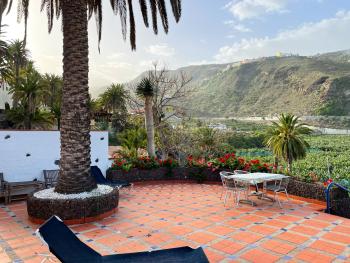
[(161, 50), (246, 9), (237, 26), (324, 36)]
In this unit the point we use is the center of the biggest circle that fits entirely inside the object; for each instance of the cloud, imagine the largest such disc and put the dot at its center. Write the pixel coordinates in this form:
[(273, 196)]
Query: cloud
[(237, 26), (161, 50), (247, 9), (323, 36)]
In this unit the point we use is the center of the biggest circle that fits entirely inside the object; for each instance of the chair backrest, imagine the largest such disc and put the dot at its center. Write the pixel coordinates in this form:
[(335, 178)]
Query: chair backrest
[(228, 182), (223, 174), (51, 177), (64, 244), (284, 183), (98, 176)]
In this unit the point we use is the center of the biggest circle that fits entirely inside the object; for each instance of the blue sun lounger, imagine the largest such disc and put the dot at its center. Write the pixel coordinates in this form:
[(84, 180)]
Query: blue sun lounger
[(64, 244)]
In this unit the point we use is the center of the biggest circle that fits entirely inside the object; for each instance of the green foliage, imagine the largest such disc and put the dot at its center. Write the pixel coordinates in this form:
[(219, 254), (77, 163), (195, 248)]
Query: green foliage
[(145, 88), (246, 140), (133, 139)]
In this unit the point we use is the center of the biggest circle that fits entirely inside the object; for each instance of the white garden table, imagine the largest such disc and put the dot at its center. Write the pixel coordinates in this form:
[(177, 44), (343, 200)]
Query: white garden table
[(255, 179)]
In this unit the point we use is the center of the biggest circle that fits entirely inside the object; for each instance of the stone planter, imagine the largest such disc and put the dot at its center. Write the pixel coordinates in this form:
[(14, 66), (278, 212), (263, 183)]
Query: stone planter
[(163, 173), (307, 190), (73, 211)]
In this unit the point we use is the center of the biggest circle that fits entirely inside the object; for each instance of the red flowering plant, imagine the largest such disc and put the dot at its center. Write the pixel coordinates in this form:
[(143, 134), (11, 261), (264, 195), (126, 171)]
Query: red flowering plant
[(170, 163), (328, 182), (121, 164), (146, 163), (196, 162), (228, 161), (256, 166)]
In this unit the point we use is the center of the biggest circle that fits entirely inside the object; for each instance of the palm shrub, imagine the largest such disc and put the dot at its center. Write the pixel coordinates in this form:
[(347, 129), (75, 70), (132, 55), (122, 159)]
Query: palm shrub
[(286, 140)]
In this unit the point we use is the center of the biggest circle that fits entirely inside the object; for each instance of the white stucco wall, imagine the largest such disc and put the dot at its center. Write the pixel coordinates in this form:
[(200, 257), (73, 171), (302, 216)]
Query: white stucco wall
[(43, 148)]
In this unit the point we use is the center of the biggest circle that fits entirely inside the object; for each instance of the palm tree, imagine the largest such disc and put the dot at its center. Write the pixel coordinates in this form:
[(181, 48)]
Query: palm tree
[(113, 100), (4, 67), (18, 57), (75, 161), (28, 92), (52, 84), (145, 89), (285, 139)]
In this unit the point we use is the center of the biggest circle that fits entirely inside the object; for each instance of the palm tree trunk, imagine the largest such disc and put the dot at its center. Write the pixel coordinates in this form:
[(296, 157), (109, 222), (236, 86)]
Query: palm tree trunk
[(149, 126), (75, 160)]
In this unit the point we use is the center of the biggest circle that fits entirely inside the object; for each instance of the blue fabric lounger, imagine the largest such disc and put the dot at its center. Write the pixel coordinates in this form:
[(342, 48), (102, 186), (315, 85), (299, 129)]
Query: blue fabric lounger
[(100, 179), (64, 244)]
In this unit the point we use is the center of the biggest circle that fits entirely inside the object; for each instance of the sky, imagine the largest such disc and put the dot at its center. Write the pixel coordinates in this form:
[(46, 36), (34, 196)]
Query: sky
[(210, 31)]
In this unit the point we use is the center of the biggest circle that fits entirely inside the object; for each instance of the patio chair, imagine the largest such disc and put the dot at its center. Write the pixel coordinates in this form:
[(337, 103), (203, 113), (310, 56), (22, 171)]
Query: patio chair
[(278, 186), (50, 178), (231, 186), (100, 179), (69, 249), (223, 181)]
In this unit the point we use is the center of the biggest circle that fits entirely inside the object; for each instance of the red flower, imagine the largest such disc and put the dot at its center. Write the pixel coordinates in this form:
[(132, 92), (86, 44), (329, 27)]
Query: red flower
[(255, 161), (241, 160)]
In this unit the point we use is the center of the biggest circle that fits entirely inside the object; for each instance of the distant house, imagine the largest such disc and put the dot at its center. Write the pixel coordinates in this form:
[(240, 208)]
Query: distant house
[(5, 97)]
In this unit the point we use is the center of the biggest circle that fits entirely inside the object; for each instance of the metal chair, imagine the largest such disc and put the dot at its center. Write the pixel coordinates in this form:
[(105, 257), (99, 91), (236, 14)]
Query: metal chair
[(50, 177), (278, 186), (223, 181), (232, 186)]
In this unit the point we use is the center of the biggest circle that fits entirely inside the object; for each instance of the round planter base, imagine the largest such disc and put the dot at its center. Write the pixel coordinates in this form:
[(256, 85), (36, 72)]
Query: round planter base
[(73, 211)]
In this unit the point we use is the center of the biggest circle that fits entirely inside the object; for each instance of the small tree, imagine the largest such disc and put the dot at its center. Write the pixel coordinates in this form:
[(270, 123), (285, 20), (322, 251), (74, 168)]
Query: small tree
[(145, 89), (285, 139)]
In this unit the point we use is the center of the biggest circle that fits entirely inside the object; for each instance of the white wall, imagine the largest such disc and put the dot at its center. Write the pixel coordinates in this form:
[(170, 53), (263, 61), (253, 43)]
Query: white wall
[(44, 149), (4, 95)]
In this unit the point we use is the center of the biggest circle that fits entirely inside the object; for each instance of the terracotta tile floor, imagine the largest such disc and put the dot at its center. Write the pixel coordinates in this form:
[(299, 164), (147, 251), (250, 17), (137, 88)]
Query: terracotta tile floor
[(156, 216)]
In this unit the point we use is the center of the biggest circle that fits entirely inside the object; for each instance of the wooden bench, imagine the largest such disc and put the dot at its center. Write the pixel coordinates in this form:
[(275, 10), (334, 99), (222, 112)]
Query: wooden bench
[(20, 190)]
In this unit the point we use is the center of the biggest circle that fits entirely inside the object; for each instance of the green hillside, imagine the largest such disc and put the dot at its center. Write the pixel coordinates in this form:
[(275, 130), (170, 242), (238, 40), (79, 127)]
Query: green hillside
[(300, 85)]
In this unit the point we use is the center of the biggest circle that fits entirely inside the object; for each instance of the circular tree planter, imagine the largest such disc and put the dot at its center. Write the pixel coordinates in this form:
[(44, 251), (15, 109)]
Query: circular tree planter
[(75, 208)]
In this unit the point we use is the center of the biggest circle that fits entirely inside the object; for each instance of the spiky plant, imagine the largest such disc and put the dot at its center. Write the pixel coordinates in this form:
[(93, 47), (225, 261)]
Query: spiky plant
[(145, 89)]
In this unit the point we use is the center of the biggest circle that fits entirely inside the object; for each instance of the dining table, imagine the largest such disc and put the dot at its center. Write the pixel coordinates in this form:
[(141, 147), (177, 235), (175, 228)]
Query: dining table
[(255, 179)]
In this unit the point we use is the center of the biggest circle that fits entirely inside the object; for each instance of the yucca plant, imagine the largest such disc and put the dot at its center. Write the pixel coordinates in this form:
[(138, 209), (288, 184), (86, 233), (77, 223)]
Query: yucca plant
[(145, 89), (286, 140)]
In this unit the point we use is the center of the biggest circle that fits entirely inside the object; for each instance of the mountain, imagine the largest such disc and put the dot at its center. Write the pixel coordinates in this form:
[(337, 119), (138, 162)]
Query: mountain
[(316, 85)]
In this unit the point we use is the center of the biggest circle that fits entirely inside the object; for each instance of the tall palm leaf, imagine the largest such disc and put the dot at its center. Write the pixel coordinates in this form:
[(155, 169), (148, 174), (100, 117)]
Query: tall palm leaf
[(75, 120), (286, 139)]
